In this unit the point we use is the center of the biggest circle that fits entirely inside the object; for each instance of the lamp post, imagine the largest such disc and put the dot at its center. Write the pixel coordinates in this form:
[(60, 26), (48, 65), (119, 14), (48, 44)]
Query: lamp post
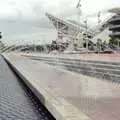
[(44, 42), (79, 5), (34, 46), (118, 42), (86, 34)]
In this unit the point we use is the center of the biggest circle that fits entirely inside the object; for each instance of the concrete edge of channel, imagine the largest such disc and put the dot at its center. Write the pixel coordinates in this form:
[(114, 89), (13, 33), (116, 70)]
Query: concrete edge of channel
[(56, 105)]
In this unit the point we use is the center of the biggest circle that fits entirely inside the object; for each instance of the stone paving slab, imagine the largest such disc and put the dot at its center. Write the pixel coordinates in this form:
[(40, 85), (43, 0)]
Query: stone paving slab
[(72, 96)]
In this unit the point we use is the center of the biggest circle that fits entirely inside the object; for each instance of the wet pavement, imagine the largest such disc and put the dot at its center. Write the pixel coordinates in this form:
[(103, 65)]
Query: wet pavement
[(17, 102)]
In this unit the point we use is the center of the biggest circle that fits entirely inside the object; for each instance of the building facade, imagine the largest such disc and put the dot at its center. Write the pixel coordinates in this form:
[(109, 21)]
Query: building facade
[(114, 23)]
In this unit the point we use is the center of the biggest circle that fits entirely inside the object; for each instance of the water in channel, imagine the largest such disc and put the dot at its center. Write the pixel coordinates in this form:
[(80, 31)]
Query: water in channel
[(17, 102)]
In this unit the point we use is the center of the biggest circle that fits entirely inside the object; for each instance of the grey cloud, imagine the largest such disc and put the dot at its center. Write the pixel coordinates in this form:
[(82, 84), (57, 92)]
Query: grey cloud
[(22, 24), (28, 17)]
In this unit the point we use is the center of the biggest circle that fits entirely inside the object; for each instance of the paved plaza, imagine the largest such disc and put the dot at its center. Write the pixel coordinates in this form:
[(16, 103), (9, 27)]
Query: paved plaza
[(93, 98)]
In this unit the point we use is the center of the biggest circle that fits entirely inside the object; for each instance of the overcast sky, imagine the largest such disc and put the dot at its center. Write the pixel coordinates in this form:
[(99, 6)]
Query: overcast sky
[(25, 19)]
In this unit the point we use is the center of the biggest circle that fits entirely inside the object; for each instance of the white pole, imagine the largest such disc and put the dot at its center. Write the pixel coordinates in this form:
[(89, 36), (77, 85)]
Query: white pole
[(86, 35)]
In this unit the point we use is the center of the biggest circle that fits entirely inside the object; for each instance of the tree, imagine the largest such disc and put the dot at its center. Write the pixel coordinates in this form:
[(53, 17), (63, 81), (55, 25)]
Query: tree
[(104, 45), (113, 42)]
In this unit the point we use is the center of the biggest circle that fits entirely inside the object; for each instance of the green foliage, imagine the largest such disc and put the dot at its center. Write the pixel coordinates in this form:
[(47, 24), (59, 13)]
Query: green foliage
[(99, 44), (113, 42)]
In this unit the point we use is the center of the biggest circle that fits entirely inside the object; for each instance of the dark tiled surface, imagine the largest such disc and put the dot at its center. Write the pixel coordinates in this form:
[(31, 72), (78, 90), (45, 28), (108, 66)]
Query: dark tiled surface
[(17, 102)]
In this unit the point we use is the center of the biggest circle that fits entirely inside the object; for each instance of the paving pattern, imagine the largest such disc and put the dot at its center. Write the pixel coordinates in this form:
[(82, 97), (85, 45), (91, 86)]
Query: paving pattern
[(100, 69), (95, 57), (17, 102), (98, 98)]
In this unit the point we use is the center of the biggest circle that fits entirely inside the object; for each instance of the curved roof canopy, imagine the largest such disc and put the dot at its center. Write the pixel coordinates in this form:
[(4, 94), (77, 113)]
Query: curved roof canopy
[(115, 10)]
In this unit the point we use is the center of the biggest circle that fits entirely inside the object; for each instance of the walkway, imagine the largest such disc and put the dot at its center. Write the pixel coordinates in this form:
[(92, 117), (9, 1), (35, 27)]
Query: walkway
[(97, 99)]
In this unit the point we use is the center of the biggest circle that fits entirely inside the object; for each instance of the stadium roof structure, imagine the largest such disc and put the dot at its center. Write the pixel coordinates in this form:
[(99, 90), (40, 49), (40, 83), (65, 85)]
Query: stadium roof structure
[(115, 10), (72, 26), (74, 29)]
